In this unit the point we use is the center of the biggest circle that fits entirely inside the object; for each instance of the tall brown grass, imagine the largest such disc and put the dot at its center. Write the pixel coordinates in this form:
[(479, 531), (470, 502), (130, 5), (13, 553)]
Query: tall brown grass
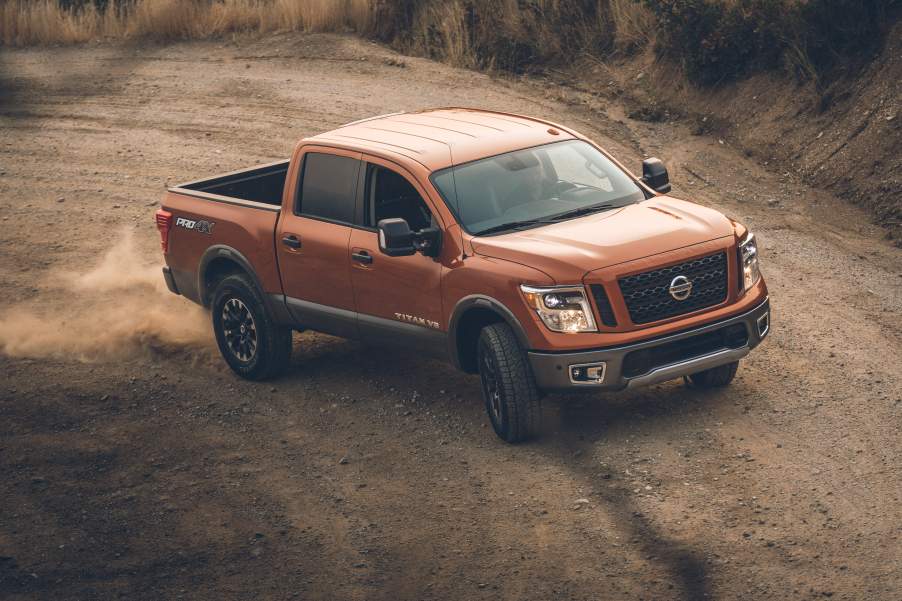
[(510, 34), (31, 22), (475, 33)]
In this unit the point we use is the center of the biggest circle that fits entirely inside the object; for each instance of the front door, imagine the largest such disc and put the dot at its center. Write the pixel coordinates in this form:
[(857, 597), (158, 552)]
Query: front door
[(313, 238), (398, 299)]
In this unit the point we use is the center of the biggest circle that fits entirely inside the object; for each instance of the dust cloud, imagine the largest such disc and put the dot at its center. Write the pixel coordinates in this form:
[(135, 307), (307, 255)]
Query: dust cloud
[(120, 307)]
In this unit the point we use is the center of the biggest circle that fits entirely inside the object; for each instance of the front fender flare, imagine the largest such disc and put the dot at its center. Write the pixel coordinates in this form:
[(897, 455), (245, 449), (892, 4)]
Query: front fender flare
[(484, 302)]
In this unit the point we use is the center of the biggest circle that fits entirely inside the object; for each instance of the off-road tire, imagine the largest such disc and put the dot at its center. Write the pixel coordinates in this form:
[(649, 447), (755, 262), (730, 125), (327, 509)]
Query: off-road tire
[(272, 343), (516, 411), (715, 377)]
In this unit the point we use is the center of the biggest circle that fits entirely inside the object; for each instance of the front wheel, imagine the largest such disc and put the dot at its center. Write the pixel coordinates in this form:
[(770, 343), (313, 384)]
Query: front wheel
[(512, 399), (715, 377), (253, 346)]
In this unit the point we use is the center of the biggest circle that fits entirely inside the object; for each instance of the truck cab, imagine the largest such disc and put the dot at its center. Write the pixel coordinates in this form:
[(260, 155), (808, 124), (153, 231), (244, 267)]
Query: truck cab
[(512, 247)]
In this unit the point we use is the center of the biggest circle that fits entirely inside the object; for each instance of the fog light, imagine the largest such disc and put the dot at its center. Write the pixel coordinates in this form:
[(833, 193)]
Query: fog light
[(587, 373)]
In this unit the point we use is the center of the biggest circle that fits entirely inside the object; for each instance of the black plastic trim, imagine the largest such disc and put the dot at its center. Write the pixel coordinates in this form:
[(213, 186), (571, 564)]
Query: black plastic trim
[(485, 302), (322, 318), (170, 281), (368, 328), (381, 331), (221, 251)]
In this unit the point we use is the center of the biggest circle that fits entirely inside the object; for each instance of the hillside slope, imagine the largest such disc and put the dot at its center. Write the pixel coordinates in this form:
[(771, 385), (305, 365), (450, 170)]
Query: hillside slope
[(846, 138)]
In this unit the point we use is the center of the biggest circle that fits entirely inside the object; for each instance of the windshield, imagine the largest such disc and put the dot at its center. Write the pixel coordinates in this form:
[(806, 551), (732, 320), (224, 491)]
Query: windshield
[(533, 187)]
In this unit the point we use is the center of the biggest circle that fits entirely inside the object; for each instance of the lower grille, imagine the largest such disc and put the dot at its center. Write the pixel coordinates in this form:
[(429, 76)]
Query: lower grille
[(638, 363), (647, 294)]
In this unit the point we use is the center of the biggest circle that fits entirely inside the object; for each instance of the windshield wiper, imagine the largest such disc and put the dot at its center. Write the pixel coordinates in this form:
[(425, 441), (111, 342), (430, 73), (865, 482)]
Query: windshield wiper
[(579, 212), (513, 225)]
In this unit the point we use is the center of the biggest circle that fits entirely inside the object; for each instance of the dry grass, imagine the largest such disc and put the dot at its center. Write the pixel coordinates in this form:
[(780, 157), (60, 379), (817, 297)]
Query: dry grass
[(633, 24), (31, 22), (503, 34)]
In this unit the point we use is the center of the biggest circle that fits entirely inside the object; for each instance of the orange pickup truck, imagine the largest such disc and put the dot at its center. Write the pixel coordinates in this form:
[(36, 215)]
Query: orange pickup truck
[(515, 248)]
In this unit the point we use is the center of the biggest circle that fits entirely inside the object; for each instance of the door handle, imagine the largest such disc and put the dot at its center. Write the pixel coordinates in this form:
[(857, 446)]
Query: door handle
[(291, 241), (362, 257)]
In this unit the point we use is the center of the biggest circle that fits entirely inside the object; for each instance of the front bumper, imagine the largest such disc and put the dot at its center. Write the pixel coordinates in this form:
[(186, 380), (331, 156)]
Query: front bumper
[(656, 360)]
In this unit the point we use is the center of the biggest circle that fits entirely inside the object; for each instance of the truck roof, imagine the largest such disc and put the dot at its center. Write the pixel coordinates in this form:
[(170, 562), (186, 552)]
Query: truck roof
[(439, 138)]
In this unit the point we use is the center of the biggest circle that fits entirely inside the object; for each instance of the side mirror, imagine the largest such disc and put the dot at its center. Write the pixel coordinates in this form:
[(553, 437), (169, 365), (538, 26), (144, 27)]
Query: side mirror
[(396, 239), (428, 241), (654, 174)]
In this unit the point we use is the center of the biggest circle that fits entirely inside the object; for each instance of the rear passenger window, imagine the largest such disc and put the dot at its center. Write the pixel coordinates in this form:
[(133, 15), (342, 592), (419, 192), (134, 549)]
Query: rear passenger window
[(328, 187)]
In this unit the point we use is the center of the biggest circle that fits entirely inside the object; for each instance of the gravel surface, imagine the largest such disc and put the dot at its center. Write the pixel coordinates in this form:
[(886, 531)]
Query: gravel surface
[(133, 464)]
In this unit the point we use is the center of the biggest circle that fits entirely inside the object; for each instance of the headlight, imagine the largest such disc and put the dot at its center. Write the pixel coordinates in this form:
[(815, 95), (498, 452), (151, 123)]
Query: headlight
[(562, 309), (748, 260)]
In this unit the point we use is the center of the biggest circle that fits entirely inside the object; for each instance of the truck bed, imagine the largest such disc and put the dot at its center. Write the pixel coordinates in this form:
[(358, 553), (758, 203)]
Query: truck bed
[(263, 184)]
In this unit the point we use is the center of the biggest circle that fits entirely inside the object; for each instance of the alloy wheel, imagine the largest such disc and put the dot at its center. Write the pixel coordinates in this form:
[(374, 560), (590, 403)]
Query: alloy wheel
[(239, 329)]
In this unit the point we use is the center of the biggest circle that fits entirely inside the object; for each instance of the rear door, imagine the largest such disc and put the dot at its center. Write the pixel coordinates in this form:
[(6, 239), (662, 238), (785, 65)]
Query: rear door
[(398, 299), (312, 241)]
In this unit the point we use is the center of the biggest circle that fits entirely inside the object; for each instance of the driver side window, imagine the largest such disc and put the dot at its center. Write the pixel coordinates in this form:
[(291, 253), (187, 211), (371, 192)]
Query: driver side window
[(389, 195)]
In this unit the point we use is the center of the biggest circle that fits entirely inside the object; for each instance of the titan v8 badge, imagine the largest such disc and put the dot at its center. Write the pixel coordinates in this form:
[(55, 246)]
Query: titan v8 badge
[(418, 321), (201, 226)]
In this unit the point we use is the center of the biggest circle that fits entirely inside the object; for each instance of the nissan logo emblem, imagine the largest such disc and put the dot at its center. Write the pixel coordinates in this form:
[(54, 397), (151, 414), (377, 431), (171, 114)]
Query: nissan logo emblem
[(680, 288)]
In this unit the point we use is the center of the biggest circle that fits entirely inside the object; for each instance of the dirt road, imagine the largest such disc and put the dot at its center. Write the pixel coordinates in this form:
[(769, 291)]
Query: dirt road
[(133, 464)]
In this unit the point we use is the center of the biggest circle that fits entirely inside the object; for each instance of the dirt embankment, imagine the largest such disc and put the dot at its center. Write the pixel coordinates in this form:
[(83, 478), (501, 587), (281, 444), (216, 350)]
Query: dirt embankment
[(845, 136)]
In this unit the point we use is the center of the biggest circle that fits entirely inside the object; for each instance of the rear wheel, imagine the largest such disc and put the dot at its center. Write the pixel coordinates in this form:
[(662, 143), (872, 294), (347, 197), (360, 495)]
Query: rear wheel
[(512, 399), (715, 377), (253, 346)]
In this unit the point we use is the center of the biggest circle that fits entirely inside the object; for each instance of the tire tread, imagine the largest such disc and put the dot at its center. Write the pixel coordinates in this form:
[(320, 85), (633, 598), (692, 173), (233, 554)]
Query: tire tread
[(522, 397)]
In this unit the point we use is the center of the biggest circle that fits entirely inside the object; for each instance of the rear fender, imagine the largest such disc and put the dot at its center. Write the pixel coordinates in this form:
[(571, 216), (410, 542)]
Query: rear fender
[(274, 303)]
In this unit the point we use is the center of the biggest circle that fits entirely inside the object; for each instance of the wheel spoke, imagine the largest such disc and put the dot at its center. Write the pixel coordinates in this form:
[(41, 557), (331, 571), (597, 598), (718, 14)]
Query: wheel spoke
[(239, 329)]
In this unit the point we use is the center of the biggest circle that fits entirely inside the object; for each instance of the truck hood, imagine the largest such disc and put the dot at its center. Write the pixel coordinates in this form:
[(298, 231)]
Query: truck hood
[(566, 251)]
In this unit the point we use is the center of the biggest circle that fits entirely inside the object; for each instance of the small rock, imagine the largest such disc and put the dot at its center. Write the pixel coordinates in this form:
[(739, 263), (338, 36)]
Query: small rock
[(580, 503), (343, 460), (772, 202), (60, 199)]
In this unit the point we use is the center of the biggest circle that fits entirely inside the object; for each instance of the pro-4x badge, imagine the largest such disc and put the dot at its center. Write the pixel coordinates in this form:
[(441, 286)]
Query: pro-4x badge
[(201, 226)]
